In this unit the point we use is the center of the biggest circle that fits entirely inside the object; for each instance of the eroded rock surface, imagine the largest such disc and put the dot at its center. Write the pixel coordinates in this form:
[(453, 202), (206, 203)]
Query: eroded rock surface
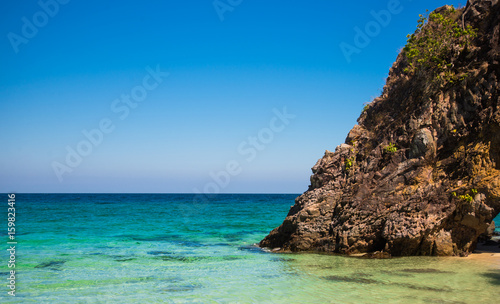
[(438, 190)]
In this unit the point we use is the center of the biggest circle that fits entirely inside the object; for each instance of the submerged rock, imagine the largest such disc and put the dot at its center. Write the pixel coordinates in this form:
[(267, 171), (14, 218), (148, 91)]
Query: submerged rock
[(420, 173), (53, 265), (377, 255)]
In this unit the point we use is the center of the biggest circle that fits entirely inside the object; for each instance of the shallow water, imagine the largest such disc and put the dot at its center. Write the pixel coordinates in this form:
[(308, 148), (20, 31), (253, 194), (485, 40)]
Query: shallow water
[(147, 248)]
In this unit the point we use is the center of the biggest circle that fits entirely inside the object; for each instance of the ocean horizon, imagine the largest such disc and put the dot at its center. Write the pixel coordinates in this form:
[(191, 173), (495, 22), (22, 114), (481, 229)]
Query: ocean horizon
[(386, 113), (172, 248)]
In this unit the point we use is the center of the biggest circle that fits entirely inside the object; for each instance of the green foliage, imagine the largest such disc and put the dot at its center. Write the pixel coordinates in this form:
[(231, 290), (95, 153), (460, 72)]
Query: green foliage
[(365, 108), (391, 148), (349, 163), (466, 197), (436, 40)]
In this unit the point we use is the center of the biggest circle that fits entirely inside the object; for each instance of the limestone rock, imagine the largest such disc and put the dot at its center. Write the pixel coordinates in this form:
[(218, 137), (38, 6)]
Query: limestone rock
[(423, 144), (438, 189)]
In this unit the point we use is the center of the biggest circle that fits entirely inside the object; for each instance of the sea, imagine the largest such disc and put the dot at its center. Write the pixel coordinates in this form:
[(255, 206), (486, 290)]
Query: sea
[(178, 248)]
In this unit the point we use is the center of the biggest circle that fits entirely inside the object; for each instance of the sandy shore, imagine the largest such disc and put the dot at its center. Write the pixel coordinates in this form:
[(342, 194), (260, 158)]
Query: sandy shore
[(489, 254)]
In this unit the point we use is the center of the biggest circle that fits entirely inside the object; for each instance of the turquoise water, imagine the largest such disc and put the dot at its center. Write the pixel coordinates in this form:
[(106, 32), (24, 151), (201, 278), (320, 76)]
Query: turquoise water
[(147, 248)]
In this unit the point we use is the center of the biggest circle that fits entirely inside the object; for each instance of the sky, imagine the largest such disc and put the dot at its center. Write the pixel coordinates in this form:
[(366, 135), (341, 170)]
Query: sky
[(225, 96)]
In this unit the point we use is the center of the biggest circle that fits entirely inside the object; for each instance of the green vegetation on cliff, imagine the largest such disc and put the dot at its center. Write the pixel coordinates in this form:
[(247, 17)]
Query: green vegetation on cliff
[(438, 39)]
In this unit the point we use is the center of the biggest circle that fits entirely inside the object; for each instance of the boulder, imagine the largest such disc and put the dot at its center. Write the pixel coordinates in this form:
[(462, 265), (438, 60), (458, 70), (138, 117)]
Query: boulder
[(420, 172)]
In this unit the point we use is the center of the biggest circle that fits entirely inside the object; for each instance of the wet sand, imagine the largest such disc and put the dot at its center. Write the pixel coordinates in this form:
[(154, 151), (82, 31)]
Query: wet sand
[(489, 253)]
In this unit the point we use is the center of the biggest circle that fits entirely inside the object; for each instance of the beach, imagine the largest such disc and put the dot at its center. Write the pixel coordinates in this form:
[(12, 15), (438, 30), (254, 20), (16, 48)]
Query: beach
[(167, 248)]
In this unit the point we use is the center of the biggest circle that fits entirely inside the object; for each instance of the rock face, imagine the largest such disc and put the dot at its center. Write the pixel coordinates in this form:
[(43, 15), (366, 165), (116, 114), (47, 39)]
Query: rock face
[(420, 173)]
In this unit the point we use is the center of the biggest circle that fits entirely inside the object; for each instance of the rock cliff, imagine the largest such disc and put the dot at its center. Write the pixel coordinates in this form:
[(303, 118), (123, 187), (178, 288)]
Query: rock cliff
[(420, 172)]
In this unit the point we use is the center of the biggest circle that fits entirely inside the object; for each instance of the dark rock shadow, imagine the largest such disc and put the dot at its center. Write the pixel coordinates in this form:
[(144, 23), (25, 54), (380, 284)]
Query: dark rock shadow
[(52, 265), (493, 276)]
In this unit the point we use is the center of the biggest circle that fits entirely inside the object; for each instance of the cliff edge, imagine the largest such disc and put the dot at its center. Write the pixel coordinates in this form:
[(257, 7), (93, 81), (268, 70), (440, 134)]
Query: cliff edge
[(420, 172)]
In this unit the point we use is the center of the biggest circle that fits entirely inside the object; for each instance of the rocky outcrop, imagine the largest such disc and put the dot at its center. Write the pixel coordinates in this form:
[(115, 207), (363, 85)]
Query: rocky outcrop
[(420, 173)]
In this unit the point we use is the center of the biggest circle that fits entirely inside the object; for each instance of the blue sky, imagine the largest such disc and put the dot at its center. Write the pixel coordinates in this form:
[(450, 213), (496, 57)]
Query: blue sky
[(232, 66)]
